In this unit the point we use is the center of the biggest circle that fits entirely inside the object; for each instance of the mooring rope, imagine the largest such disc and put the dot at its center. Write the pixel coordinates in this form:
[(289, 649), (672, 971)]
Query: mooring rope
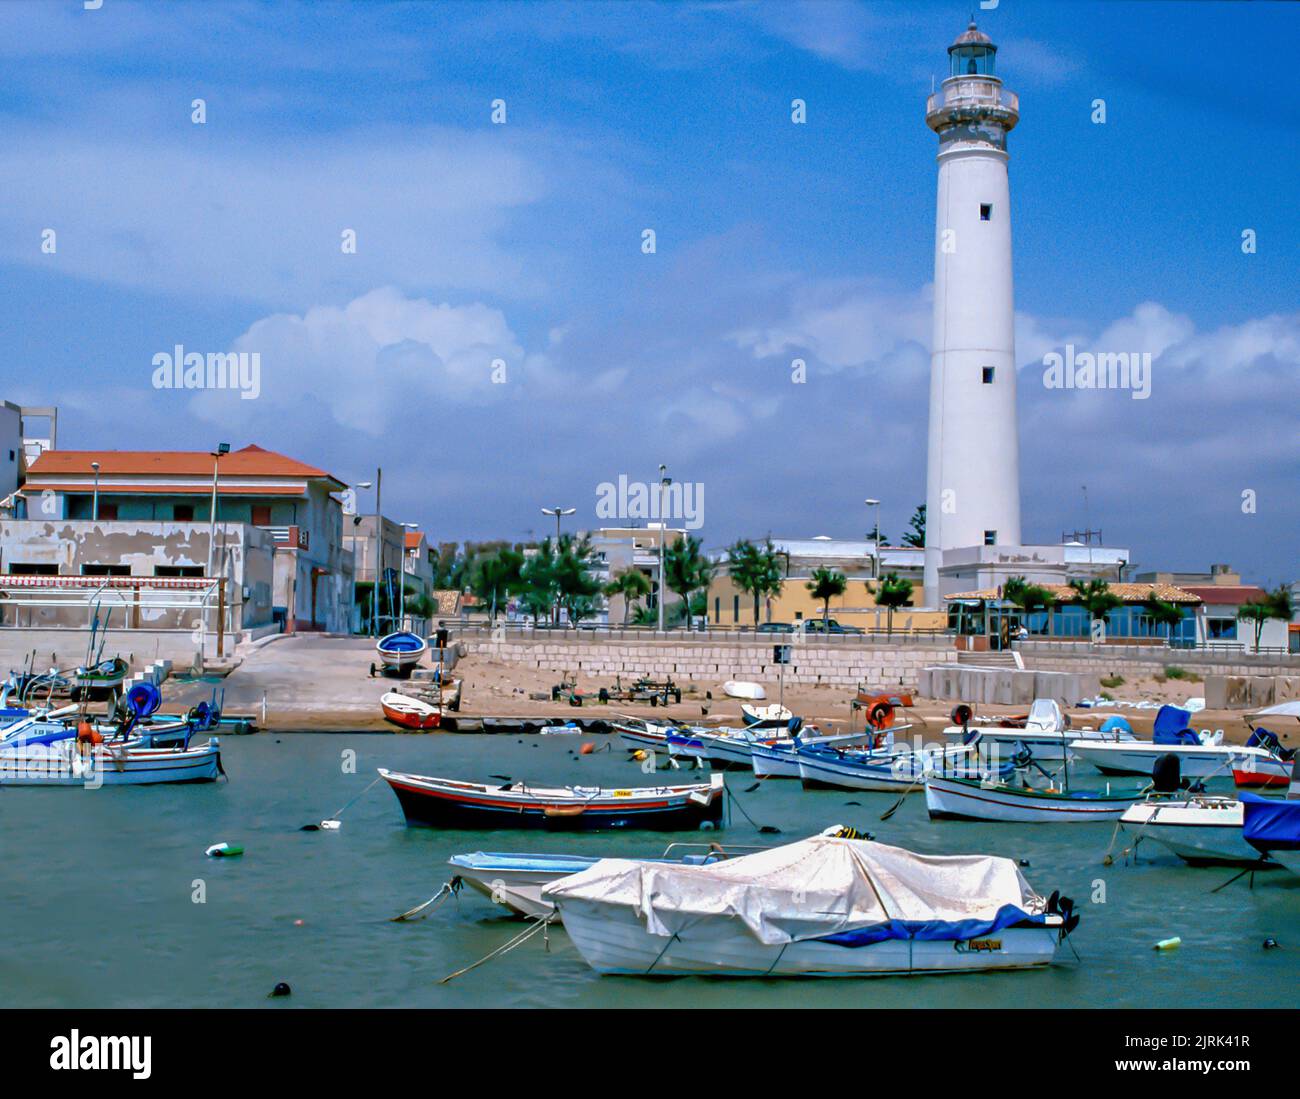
[(541, 924), (448, 889)]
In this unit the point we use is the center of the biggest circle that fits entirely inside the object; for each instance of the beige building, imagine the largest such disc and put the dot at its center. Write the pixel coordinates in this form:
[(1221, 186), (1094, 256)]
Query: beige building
[(860, 562)]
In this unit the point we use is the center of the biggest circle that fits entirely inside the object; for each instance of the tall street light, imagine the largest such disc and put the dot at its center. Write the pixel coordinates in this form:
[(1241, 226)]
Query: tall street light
[(94, 506), (222, 449), (379, 552), (359, 484), (401, 607), (875, 539), (664, 482), (559, 513)]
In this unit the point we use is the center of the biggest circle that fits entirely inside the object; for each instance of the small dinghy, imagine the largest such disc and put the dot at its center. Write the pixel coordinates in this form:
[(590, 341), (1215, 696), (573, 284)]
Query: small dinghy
[(740, 688), (774, 716), (100, 680), (643, 734), (516, 880), (400, 652), (893, 770), (410, 713), (824, 907), (447, 803), (1278, 770), (723, 746)]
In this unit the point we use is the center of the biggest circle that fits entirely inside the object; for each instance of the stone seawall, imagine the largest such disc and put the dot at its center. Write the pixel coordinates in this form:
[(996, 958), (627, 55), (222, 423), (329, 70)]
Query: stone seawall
[(835, 665)]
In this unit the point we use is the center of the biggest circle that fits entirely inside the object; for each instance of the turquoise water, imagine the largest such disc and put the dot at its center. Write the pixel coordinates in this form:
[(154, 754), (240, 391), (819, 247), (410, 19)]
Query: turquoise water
[(96, 895)]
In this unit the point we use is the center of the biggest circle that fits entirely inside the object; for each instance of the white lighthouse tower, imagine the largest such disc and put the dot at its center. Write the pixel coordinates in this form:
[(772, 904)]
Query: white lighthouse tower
[(973, 471)]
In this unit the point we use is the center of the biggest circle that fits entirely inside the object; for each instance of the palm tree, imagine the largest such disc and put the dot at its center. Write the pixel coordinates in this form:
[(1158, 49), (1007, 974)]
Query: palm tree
[(1096, 598), (1275, 604), (632, 584), (686, 570), (495, 576), (537, 578), (1029, 597), (576, 588), (892, 592), (771, 577), (748, 569), (1164, 614), (826, 584), (916, 536)]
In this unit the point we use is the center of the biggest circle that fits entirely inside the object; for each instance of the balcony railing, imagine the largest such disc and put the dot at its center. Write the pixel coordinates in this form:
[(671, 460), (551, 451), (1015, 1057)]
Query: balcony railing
[(972, 94)]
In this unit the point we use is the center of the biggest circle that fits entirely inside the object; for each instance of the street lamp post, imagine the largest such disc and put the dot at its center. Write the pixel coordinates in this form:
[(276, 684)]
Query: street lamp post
[(559, 513), (664, 482), (222, 449), (94, 505), (401, 606), (875, 539), (352, 605), (379, 553)]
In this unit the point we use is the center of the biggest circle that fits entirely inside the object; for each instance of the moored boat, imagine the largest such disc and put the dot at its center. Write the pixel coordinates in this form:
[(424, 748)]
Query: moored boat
[(100, 680), (449, 803), (72, 761), (1045, 731), (516, 879), (410, 713), (1272, 827), (1201, 829), (774, 716), (819, 907), (892, 770), (1200, 756), (953, 798)]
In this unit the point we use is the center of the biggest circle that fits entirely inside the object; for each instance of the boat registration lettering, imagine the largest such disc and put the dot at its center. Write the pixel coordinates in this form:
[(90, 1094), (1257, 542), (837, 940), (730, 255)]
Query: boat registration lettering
[(622, 793), (979, 946)]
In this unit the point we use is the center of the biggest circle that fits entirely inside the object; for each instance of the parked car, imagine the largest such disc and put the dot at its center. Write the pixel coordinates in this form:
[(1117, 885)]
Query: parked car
[(775, 627), (816, 625)]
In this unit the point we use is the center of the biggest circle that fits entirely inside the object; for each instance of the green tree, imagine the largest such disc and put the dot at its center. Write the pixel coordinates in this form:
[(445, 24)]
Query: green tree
[(916, 536), (746, 568), (576, 588), (892, 592), (495, 577), (1029, 598), (686, 569), (1164, 614), (1275, 604), (538, 582), (826, 584), (632, 584), (1096, 598)]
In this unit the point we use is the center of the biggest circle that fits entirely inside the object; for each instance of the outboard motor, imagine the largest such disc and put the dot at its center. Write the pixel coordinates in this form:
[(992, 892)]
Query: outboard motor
[(1166, 775)]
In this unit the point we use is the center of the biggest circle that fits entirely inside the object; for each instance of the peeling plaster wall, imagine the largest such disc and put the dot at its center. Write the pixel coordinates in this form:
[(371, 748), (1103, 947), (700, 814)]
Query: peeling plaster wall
[(244, 557)]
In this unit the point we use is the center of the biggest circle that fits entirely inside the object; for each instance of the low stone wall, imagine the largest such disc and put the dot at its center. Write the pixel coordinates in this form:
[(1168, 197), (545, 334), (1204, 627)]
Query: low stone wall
[(1005, 686), (1250, 692), (711, 662), (1134, 660)]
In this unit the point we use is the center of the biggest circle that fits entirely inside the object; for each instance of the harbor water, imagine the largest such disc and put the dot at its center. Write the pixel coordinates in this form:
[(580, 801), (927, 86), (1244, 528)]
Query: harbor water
[(108, 900)]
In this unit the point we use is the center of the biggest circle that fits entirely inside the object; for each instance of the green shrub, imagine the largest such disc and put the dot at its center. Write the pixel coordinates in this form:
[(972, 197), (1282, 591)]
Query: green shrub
[(1112, 681)]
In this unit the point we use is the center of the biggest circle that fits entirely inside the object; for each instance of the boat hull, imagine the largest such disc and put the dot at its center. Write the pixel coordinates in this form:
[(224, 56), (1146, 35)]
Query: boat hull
[(1199, 833), (893, 773), (768, 762), (1194, 761), (956, 799), (62, 764), (612, 940), (433, 807)]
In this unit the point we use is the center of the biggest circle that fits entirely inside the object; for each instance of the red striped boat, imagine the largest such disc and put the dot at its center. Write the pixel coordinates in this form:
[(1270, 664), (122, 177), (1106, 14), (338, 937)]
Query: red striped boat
[(448, 803)]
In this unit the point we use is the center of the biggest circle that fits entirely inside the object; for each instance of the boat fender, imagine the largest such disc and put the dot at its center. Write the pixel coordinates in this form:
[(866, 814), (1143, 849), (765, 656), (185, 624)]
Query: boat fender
[(1169, 944), (224, 851)]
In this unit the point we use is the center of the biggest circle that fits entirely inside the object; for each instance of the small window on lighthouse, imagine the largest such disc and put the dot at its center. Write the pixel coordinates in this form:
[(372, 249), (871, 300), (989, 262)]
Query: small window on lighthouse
[(990, 538), (988, 375), (986, 212)]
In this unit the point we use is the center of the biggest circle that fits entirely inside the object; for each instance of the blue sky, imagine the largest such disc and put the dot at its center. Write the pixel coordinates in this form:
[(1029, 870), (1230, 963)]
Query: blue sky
[(775, 241)]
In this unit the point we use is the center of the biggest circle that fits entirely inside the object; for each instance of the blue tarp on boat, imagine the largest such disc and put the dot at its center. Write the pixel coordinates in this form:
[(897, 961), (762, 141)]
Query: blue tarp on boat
[(1116, 722), (1171, 727), (1269, 824), (934, 930)]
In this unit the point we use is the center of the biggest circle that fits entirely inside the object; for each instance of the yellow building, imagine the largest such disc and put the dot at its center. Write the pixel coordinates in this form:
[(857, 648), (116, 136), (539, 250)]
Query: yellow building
[(857, 561)]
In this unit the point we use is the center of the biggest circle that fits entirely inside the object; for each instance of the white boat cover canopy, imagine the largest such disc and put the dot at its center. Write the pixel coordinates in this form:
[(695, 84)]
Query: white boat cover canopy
[(815, 888), (1282, 709)]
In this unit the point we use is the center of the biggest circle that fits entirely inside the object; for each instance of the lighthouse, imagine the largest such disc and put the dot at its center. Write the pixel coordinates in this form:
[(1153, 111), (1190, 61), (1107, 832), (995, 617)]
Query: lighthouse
[(973, 458)]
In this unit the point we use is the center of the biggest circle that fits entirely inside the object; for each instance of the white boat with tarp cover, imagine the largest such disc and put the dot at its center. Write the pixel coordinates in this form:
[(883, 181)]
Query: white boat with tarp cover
[(820, 907), (1202, 755)]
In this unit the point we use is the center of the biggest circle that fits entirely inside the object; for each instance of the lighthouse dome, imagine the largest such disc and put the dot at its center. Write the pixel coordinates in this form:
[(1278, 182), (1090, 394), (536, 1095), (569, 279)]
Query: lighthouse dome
[(972, 53)]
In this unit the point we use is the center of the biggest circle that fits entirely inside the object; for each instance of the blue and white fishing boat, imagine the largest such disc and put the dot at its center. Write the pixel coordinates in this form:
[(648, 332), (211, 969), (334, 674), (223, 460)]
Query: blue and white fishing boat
[(400, 652), (1200, 755), (891, 771)]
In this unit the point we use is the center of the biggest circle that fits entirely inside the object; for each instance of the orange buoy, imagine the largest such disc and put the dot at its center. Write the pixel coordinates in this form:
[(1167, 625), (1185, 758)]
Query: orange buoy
[(587, 749)]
